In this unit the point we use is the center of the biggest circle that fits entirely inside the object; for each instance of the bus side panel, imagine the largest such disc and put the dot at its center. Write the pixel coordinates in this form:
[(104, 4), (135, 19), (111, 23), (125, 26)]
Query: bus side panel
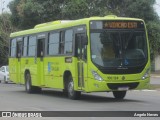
[(40, 72), (53, 72), (31, 66), (13, 69), (22, 71), (73, 68)]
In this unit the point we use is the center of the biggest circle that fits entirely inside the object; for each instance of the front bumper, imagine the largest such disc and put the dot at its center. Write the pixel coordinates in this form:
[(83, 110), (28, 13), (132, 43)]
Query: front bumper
[(100, 86)]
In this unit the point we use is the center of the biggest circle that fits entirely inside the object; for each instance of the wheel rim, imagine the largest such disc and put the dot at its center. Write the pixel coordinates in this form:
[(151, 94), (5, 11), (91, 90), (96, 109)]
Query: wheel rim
[(71, 89)]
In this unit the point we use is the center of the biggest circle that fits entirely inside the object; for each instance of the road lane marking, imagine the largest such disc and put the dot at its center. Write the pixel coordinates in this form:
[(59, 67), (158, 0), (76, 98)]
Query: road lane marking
[(146, 90)]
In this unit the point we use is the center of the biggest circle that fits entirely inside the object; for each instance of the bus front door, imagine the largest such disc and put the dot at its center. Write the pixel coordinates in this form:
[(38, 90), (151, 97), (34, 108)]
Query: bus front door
[(82, 60)]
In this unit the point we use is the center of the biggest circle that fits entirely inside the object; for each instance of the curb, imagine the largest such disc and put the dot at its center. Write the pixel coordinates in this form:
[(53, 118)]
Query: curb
[(156, 76)]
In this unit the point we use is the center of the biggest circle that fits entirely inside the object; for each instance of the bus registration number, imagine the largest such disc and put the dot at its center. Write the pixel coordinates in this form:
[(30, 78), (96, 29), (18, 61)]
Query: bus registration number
[(123, 88), (113, 78)]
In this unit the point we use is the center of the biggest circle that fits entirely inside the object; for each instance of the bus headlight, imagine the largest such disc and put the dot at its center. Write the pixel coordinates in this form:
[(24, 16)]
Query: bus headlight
[(146, 75), (97, 76)]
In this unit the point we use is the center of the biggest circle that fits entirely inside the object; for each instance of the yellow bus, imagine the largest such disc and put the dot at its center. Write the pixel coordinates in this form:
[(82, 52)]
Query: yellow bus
[(96, 54)]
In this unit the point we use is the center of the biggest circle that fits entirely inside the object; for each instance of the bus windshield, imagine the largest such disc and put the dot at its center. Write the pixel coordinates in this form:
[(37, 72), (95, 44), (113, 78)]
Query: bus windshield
[(118, 48)]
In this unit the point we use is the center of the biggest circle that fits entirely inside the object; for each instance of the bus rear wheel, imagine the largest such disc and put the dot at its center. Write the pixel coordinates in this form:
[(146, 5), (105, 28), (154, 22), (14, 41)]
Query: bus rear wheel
[(28, 85), (119, 94), (72, 94)]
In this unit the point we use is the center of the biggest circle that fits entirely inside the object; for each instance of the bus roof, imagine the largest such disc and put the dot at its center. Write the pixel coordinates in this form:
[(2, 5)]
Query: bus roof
[(58, 24)]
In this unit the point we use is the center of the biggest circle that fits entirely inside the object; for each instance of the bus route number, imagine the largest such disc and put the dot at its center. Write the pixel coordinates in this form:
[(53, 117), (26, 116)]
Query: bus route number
[(113, 78)]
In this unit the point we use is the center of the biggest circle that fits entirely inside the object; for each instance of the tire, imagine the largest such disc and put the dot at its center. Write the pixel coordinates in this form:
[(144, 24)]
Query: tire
[(119, 94), (72, 94), (28, 85), (65, 92)]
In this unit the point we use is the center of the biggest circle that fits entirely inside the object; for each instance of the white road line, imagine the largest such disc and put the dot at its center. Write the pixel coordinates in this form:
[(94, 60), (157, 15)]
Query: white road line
[(155, 76), (147, 90)]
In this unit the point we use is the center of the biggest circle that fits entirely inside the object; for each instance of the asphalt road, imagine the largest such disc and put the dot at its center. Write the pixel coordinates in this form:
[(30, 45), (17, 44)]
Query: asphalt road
[(14, 98)]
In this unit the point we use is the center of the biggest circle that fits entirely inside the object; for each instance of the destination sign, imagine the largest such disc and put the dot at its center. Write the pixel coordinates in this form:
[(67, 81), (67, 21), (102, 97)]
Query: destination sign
[(121, 25), (126, 24)]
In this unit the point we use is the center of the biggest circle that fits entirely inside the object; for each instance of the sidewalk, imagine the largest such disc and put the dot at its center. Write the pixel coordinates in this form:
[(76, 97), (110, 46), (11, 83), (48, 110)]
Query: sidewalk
[(155, 79), (155, 74)]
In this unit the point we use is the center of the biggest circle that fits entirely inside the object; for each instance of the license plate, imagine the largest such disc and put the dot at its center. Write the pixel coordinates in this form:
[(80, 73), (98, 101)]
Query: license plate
[(123, 88)]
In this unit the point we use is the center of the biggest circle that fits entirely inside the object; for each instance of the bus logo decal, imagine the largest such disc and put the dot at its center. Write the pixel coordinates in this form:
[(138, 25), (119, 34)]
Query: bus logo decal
[(49, 66)]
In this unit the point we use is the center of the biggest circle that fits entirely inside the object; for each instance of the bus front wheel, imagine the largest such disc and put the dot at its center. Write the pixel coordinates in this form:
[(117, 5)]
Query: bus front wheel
[(72, 94), (119, 94)]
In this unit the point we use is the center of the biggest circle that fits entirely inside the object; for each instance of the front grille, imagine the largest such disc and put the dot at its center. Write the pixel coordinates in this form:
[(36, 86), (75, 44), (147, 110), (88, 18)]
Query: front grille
[(115, 86), (129, 70)]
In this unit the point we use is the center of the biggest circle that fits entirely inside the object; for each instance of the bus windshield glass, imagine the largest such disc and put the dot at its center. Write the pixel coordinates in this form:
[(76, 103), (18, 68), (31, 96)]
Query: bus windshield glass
[(119, 47)]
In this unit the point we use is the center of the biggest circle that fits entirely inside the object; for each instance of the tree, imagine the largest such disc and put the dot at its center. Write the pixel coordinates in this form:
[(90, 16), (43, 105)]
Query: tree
[(27, 13), (154, 38), (5, 29)]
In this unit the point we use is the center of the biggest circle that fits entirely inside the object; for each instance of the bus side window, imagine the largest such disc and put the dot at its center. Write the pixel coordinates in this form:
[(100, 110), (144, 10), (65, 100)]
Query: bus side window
[(68, 41), (53, 44), (32, 46), (61, 44), (13, 48), (25, 46)]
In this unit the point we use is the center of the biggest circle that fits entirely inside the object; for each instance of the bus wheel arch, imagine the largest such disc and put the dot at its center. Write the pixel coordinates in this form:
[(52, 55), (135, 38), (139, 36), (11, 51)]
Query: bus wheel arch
[(69, 86), (65, 80), (25, 73), (28, 84)]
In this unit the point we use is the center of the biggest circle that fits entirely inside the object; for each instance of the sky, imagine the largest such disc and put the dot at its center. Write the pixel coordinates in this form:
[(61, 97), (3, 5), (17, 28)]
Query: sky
[(4, 3), (157, 7)]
